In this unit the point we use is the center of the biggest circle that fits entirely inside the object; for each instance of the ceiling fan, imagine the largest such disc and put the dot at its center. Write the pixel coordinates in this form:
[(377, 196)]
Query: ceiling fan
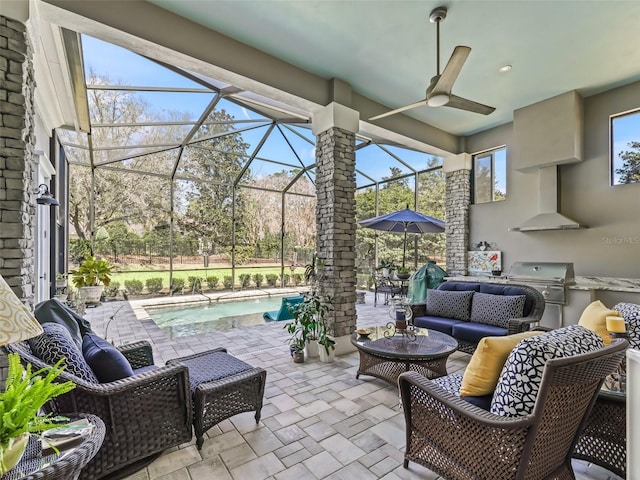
[(439, 89)]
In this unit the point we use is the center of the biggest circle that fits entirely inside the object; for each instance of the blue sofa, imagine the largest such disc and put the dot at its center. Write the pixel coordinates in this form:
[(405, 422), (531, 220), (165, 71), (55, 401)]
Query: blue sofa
[(284, 313), (469, 311)]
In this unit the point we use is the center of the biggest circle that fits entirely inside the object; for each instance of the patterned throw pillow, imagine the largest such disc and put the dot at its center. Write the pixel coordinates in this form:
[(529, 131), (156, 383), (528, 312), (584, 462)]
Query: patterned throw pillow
[(55, 343), (496, 310), (449, 304), (520, 379), (631, 314)]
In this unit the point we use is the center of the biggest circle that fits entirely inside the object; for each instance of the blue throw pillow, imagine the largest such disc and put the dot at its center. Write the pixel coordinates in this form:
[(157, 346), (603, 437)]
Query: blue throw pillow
[(449, 304), (106, 361), (55, 343)]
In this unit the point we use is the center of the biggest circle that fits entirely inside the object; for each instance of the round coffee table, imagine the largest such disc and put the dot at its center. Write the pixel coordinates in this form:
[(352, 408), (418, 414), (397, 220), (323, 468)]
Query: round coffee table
[(386, 357)]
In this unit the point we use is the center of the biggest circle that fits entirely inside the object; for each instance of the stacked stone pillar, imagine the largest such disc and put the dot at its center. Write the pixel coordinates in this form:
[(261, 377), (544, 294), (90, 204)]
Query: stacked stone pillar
[(335, 128), (457, 201), (17, 145)]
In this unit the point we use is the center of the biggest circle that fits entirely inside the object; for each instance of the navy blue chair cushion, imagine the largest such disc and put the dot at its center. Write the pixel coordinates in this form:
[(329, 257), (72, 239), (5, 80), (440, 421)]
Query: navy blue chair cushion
[(440, 324), (56, 343), (106, 361), (459, 286), (474, 332), (451, 383)]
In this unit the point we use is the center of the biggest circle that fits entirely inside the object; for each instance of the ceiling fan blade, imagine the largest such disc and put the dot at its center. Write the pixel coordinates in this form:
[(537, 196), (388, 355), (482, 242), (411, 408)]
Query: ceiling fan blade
[(469, 105), (452, 70), (401, 109)]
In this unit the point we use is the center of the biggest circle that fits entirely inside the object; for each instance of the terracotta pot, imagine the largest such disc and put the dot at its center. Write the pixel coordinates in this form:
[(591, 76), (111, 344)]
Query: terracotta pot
[(298, 357), (12, 454)]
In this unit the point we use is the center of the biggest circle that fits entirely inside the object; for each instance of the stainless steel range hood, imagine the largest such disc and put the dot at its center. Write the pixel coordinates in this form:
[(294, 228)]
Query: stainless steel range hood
[(548, 217)]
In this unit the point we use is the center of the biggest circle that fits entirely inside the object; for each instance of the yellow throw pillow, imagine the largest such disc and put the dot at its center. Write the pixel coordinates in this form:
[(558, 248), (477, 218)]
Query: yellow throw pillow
[(594, 318), (481, 376)]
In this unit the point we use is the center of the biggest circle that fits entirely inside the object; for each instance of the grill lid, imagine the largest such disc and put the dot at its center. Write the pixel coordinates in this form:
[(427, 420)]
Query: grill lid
[(547, 272)]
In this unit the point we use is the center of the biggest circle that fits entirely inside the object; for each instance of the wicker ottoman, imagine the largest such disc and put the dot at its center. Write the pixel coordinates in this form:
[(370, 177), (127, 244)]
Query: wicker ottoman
[(221, 387)]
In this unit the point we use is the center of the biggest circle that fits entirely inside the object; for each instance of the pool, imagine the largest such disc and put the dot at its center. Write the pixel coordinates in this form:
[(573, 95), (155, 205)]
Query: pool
[(181, 321)]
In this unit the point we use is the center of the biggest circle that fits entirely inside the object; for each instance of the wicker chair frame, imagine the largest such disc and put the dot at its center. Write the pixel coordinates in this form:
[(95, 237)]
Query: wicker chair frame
[(463, 442), (516, 325), (144, 414)]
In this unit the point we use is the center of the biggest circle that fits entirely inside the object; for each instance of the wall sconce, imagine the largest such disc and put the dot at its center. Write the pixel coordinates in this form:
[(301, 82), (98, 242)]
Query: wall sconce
[(45, 197)]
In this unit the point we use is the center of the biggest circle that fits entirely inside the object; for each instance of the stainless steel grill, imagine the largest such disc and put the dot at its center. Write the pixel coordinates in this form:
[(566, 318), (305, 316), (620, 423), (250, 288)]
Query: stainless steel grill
[(549, 278)]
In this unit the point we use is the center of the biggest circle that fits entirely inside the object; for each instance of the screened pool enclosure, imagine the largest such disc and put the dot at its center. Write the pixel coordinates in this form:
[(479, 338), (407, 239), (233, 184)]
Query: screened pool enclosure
[(183, 172)]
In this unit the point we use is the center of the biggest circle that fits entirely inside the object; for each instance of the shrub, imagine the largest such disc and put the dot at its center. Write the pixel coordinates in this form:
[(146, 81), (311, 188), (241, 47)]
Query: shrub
[(133, 287), (194, 284), (154, 285), (257, 279), (227, 281), (245, 279), (177, 284), (272, 278), (112, 290), (285, 279), (297, 278), (212, 282)]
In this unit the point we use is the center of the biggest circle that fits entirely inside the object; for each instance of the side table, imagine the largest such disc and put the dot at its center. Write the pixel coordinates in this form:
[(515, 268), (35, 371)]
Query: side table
[(604, 438), (66, 464)]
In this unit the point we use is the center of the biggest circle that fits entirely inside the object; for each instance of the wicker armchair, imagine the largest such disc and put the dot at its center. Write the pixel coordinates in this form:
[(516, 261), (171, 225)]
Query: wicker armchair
[(144, 414), (461, 441)]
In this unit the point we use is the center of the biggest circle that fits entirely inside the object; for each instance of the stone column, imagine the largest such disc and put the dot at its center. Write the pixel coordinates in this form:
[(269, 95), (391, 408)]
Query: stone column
[(457, 198), (17, 146), (334, 127)]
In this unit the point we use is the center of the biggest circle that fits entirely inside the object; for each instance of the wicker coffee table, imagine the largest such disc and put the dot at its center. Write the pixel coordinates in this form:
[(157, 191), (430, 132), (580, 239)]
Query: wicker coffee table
[(386, 357)]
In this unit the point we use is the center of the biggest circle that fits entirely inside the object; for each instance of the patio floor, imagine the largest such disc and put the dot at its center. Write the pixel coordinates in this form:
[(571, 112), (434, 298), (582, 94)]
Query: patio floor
[(318, 421)]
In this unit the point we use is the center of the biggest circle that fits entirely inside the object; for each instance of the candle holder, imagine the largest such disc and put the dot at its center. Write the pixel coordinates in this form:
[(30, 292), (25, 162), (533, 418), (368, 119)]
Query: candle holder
[(409, 332)]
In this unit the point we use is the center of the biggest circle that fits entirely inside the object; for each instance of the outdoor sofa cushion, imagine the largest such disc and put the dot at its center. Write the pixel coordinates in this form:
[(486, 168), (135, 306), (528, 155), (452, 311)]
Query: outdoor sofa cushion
[(452, 384), (444, 325), (481, 375), (496, 310), (56, 343), (474, 332), (519, 381), (106, 361)]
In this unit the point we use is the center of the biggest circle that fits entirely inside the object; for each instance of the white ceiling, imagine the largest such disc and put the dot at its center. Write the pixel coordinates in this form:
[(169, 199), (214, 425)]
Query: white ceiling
[(386, 49)]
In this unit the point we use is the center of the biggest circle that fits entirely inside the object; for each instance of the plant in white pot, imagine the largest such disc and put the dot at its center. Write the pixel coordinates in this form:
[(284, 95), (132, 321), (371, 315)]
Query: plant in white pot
[(91, 276), (25, 393)]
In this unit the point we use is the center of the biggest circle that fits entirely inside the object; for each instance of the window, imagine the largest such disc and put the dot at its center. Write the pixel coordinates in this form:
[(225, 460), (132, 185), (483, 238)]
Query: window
[(625, 148), (490, 176)]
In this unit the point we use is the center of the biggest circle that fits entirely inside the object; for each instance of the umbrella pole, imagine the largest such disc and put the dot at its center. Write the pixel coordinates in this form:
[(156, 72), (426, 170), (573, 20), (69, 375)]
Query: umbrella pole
[(404, 250)]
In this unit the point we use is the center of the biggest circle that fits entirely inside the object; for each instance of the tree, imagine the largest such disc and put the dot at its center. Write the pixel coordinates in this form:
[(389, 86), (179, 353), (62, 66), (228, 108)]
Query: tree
[(630, 170)]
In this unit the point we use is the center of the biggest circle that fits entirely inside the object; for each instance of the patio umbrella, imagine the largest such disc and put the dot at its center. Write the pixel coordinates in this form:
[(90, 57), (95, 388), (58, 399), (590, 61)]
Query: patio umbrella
[(407, 221)]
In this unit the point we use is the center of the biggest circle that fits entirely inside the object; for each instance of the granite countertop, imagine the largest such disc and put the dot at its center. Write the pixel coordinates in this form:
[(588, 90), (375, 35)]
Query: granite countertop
[(582, 283)]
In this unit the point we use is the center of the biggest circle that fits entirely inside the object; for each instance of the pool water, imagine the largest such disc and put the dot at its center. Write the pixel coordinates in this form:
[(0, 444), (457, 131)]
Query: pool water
[(181, 321)]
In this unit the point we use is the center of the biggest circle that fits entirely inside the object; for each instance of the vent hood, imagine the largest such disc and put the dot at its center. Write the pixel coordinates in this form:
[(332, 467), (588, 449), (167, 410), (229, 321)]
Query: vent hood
[(548, 217)]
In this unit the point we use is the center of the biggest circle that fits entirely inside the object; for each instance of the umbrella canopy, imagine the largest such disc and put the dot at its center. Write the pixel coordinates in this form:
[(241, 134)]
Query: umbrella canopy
[(406, 221)]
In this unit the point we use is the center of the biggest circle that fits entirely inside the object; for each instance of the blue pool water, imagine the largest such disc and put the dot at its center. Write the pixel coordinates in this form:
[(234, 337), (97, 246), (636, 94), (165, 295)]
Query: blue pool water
[(181, 321)]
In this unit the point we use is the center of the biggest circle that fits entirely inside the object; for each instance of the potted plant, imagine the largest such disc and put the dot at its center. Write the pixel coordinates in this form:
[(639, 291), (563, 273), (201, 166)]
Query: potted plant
[(296, 346), (386, 267), (25, 393), (90, 278), (309, 323), (403, 273)]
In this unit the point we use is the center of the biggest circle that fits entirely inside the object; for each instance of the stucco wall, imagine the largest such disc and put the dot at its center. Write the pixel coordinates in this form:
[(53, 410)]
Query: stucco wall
[(611, 245)]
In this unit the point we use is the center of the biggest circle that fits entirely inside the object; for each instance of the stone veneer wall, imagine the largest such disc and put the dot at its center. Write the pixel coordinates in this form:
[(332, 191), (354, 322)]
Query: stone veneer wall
[(335, 220), (458, 199), (17, 146)]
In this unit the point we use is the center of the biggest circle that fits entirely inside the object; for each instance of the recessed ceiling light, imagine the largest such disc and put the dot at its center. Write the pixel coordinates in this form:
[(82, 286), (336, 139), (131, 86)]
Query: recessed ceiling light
[(506, 68)]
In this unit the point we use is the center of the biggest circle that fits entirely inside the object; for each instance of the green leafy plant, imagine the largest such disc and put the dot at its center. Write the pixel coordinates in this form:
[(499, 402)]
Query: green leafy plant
[(245, 279), (403, 270), (25, 393), (212, 282), (227, 281), (154, 285), (272, 279), (386, 264), (257, 279), (310, 321), (91, 273), (134, 287), (112, 290), (177, 284), (194, 284)]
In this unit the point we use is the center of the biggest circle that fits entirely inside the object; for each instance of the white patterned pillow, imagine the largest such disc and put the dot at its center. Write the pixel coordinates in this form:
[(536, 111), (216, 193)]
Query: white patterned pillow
[(449, 304), (631, 314), (55, 343), (496, 310), (521, 375)]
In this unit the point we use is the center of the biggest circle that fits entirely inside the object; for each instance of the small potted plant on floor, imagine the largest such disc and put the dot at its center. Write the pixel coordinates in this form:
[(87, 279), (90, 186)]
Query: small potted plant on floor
[(25, 393), (91, 276), (296, 345)]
